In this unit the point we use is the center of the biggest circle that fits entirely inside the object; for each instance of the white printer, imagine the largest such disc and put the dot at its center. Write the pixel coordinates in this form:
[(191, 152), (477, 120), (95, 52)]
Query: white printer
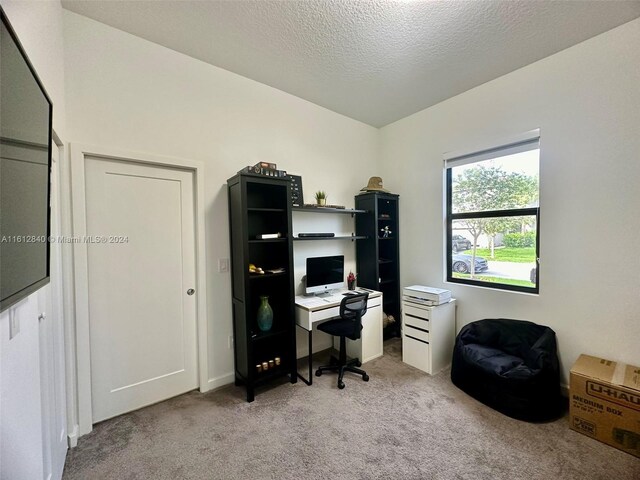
[(426, 295)]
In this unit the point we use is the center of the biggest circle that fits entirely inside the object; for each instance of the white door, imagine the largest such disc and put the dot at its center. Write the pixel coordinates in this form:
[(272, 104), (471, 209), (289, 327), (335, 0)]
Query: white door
[(141, 267), (52, 372)]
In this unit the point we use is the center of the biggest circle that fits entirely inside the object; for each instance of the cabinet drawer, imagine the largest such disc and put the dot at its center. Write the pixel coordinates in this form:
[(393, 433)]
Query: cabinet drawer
[(416, 353), (415, 333), (374, 302), (410, 320), (416, 311)]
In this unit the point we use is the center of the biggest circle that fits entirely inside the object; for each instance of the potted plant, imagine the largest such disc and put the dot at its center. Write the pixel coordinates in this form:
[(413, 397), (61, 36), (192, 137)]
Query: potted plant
[(321, 197)]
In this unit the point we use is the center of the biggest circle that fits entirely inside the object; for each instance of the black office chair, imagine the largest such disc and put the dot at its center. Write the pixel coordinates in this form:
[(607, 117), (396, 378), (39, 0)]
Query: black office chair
[(349, 325)]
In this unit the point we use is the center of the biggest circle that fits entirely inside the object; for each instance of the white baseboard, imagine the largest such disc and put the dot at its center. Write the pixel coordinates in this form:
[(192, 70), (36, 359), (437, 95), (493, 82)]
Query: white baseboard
[(218, 382), (72, 437)]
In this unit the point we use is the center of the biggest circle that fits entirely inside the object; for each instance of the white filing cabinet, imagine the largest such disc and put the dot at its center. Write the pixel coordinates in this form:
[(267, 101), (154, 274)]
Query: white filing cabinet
[(428, 335)]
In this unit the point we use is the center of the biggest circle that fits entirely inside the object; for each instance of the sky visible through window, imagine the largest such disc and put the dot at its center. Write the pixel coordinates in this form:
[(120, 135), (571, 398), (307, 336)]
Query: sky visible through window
[(526, 163)]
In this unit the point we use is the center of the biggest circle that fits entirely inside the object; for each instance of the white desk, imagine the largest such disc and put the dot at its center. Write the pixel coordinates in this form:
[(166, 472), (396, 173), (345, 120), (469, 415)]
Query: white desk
[(310, 311)]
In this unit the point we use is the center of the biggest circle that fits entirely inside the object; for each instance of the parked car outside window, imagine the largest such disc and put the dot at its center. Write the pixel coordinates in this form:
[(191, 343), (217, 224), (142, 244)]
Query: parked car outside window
[(461, 263), (459, 243)]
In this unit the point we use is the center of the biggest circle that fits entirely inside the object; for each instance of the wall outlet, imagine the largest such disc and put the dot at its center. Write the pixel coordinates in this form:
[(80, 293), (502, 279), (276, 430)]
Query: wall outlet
[(223, 265), (14, 324), (230, 342)]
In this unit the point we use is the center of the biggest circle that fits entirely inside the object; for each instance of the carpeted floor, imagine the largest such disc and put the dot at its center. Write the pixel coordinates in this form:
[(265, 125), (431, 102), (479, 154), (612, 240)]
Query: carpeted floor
[(402, 424)]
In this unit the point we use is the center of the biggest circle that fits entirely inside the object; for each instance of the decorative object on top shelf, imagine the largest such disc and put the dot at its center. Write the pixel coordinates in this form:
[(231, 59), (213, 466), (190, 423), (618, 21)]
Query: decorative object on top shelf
[(265, 314), (351, 281), (321, 197), (374, 185), (386, 232), (264, 168)]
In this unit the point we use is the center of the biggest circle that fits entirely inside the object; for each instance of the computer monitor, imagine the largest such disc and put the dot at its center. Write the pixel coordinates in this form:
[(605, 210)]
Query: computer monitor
[(324, 274)]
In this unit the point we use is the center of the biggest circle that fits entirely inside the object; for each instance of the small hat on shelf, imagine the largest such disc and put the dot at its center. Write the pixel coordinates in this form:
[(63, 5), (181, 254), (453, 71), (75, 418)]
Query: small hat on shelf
[(374, 185)]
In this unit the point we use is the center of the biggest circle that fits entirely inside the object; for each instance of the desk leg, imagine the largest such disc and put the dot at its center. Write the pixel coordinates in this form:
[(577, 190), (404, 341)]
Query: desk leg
[(310, 380), (310, 356)]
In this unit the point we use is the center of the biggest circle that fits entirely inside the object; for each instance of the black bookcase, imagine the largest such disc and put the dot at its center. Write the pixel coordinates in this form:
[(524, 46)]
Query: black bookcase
[(261, 205), (377, 255)]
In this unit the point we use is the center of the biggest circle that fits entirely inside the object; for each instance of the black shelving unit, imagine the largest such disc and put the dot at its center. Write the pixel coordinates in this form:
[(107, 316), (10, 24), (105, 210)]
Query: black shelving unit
[(261, 205), (378, 257)]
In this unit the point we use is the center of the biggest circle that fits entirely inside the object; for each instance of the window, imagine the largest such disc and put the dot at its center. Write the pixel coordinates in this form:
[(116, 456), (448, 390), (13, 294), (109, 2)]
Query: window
[(493, 216)]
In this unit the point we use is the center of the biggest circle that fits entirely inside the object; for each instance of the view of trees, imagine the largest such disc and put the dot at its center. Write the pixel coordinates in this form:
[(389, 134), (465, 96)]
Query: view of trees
[(488, 188)]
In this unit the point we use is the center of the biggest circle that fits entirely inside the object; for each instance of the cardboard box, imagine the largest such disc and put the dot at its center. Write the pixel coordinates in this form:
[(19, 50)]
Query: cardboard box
[(605, 402)]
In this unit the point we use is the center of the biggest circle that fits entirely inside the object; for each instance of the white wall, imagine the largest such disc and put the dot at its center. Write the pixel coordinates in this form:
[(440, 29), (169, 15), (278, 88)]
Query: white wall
[(129, 93), (21, 454), (39, 28), (586, 102)]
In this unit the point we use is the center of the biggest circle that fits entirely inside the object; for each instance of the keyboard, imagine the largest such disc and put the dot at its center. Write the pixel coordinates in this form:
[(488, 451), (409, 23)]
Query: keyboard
[(313, 302)]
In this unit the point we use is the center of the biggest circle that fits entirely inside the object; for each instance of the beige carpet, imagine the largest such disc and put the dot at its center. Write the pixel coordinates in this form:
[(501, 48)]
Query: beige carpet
[(402, 424)]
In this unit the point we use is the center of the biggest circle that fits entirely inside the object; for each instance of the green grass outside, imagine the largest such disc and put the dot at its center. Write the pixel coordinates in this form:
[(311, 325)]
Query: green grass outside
[(504, 281), (506, 254)]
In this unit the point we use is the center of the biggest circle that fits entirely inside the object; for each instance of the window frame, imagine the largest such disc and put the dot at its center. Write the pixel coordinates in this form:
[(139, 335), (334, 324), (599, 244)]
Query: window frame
[(516, 212)]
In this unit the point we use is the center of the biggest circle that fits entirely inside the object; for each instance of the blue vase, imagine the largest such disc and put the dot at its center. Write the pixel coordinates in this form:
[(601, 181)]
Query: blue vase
[(265, 314)]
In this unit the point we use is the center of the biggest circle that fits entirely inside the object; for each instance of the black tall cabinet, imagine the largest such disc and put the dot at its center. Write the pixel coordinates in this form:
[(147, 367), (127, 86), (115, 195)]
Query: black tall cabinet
[(260, 205), (378, 254)]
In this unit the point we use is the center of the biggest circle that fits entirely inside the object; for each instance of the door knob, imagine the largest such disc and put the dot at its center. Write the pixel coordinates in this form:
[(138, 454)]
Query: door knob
[(191, 291)]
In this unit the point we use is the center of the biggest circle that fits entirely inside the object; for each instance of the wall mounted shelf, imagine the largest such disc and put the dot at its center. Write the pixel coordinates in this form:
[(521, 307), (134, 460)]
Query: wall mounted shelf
[(341, 237), (351, 211)]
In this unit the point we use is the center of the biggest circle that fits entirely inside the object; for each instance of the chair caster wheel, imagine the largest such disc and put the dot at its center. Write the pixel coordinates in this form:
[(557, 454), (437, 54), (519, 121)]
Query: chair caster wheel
[(358, 363), (340, 385), (318, 372), (365, 377)]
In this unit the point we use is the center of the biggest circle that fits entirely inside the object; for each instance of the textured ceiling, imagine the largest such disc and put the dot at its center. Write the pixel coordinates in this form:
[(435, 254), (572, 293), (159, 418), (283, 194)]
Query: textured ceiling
[(376, 60)]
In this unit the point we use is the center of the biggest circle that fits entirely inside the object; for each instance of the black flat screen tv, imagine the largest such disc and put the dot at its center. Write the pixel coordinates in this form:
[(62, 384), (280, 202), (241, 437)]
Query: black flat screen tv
[(26, 115)]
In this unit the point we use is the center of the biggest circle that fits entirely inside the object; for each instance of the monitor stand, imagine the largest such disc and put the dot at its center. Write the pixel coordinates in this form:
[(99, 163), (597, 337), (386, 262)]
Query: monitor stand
[(328, 293)]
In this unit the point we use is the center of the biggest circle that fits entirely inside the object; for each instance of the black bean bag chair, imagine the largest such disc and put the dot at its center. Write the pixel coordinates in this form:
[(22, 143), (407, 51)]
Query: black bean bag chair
[(511, 366)]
